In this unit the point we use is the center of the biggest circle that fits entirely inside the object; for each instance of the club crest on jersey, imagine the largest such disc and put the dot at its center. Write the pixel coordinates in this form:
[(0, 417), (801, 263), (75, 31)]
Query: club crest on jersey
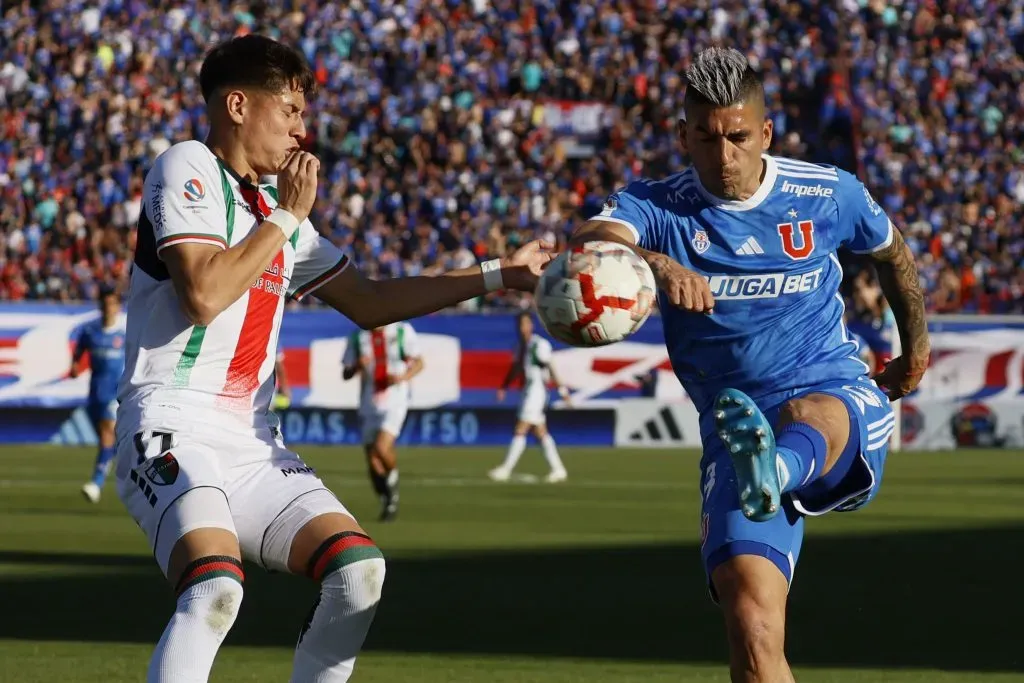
[(162, 471), (797, 246), (700, 242), (194, 190)]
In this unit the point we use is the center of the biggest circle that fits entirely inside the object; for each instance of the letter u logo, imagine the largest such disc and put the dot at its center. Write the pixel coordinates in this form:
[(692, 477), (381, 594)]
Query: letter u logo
[(806, 239)]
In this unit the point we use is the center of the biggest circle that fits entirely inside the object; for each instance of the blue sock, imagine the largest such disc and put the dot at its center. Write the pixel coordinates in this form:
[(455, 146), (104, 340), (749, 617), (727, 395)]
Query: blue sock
[(103, 459), (802, 449)]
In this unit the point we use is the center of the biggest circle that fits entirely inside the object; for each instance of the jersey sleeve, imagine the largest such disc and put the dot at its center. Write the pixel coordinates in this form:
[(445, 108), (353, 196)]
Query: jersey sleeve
[(317, 261), (542, 352), (865, 227), (411, 342), (633, 208), (184, 198)]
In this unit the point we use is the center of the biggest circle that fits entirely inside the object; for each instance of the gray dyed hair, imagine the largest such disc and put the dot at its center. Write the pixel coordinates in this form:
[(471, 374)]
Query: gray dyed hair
[(721, 76)]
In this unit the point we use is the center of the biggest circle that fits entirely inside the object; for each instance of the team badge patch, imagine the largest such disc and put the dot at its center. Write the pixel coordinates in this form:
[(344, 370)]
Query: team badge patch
[(194, 190), (162, 471), (700, 242)]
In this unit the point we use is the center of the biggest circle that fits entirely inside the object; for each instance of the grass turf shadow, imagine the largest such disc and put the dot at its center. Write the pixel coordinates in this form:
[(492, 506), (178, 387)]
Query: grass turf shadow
[(939, 599)]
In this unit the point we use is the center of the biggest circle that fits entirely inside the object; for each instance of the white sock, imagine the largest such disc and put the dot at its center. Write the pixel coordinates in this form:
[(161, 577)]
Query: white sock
[(515, 449), (547, 444), (391, 480), (328, 646), (205, 613)]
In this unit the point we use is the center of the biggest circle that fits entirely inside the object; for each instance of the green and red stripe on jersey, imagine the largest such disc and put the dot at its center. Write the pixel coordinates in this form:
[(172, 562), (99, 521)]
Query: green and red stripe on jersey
[(211, 567), (340, 550), (265, 296), (379, 342)]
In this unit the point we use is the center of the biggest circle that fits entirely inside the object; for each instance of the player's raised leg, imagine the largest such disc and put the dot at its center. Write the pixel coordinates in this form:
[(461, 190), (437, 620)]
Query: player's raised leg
[(813, 434)]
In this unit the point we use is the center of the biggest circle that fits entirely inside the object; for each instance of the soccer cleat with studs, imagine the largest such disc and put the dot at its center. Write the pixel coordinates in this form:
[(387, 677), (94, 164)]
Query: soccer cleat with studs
[(745, 431)]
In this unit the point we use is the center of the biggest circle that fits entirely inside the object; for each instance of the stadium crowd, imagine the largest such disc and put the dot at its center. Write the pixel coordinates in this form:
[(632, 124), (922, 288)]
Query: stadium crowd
[(452, 131)]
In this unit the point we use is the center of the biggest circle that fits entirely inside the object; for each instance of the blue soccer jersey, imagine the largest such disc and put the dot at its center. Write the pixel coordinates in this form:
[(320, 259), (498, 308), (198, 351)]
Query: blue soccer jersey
[(106, 350), (770, 260)]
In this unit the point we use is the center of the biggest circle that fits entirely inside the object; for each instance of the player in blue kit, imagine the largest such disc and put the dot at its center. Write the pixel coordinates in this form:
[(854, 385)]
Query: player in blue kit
[(103, 340), (743, 246)]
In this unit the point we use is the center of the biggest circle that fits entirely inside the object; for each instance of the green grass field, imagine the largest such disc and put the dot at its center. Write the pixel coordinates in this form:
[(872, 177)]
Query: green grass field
[(596, 580)]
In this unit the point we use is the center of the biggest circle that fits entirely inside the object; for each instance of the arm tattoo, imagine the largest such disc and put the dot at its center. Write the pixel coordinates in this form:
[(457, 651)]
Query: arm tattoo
[(897, 275)]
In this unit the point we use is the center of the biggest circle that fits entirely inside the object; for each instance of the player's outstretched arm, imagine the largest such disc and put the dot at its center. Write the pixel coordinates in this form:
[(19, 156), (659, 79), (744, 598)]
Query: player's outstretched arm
[(373, 303), (208, 279), (897, 274), (685, 288)]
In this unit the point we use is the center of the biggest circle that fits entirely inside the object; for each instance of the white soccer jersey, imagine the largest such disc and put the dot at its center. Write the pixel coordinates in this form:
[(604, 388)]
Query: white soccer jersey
[(220, 375), (535, 356), (386, 351)]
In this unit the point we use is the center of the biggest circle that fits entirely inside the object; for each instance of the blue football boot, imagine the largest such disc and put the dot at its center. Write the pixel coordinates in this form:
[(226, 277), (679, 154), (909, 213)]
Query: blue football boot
[(745, 431)]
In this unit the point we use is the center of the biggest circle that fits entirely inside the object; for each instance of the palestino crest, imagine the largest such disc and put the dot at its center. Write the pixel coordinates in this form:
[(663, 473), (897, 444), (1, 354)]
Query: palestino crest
[(700, 242), (798, 243), (162, 471)]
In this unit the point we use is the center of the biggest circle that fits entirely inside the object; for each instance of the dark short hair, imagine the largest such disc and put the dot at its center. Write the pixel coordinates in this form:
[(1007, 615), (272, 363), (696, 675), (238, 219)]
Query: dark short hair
[(257, 62), (524, 314), (104, 291)]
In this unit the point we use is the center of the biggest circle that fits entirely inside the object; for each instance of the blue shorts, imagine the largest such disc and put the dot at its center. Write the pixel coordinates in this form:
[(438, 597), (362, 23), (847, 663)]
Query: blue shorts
[(726, 533), (100, 409)]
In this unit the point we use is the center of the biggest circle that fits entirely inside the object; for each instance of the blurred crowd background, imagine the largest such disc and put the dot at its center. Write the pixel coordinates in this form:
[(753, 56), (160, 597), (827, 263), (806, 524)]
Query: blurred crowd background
[(454, 131)]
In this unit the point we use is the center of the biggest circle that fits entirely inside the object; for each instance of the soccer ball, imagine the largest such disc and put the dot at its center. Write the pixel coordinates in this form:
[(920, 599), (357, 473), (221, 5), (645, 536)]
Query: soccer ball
[(595, 294)]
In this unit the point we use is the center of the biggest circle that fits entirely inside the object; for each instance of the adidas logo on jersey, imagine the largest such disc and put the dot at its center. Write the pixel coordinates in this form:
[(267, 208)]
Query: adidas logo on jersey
[(806, 190), (766, 286), (750, 247)]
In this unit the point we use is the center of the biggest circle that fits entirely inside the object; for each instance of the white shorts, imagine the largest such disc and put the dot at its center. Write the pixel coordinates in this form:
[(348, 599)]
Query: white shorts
[(531, 409), (270, 493), (389, 420)]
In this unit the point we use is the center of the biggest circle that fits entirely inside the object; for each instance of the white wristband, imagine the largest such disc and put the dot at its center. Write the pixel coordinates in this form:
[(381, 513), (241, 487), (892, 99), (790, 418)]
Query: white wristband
[(284, 220), (492, 275)]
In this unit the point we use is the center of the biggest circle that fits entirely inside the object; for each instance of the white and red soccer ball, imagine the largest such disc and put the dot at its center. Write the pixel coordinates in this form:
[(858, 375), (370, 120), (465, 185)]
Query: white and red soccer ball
[(595, 294)]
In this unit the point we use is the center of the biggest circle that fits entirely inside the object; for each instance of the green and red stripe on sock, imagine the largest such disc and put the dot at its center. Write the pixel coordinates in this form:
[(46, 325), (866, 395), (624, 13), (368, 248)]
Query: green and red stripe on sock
[(206, 568), (340, 550)]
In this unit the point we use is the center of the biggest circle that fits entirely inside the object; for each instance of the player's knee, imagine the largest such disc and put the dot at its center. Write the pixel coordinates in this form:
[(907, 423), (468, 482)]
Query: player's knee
[(358, 588), (211, 590), (756, 630)]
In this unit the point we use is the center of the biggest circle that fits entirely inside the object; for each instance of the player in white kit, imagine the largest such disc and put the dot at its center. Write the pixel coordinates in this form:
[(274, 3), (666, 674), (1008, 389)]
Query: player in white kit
[(533, 363), (201, 464), (387, 358)]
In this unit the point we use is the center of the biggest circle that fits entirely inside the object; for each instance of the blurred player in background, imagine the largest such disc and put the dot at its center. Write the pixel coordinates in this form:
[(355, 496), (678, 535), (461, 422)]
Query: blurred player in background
[(386, 358), (201, 465), (103, 340), (742, 245), (532, 363)]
